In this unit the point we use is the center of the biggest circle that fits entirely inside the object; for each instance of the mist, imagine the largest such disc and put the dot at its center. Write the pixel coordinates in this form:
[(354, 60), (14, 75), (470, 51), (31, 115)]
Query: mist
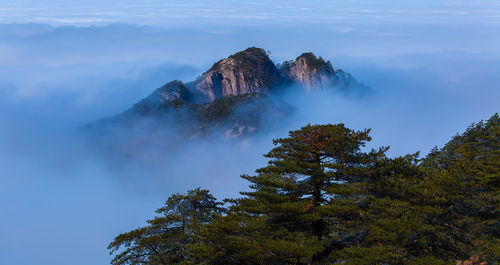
[(63, 199)]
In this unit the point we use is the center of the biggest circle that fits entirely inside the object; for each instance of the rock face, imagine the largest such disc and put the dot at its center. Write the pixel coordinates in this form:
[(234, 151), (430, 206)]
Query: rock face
[(231, 97), (246, 72), (309, 71), (236, 80)]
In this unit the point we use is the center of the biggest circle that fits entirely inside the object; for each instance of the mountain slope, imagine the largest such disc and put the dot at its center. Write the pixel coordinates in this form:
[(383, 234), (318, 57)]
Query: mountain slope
[(236, 96)]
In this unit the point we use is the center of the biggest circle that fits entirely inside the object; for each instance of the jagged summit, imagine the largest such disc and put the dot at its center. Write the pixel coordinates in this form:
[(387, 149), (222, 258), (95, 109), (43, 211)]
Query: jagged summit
[(233, 92), (245, 72), (248, 72), (314, 64), (309, 71), (250, 57), (252, 72)]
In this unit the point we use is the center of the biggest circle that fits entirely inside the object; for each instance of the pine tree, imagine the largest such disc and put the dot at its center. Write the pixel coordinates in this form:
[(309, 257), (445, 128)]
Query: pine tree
[(166, 238), (303, 204), (323, 200), (468, 171)]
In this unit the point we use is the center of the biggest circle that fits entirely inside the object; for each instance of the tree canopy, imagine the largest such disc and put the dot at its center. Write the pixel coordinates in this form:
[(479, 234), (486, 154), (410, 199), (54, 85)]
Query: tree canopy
[(324, 199), (164, 240)]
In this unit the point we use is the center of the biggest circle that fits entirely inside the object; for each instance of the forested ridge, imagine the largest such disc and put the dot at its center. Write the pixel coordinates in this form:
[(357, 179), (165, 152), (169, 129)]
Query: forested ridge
[(324, 199)]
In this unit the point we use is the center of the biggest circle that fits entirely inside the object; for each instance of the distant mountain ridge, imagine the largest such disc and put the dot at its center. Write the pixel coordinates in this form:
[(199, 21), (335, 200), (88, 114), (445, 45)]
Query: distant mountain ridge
[(233, 94)]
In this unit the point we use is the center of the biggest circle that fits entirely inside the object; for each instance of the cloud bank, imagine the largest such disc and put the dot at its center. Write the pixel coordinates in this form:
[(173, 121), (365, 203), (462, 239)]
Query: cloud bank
[(63, 199)]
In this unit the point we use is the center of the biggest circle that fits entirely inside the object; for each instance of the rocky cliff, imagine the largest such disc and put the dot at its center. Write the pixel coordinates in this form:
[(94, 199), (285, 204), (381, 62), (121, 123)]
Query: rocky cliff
[(252, 72), (246, 72), (232, 95), (309, 71)]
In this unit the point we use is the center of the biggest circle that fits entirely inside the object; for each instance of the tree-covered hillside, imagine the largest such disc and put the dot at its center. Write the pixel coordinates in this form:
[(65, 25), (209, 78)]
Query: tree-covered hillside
[(324, 199)]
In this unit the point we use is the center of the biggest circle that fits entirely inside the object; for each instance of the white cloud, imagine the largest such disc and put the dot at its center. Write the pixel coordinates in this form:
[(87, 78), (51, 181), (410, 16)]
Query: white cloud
[(233, 12)]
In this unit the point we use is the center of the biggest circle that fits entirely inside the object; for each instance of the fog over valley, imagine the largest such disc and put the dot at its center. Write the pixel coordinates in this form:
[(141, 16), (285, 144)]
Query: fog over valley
[(427, 77)]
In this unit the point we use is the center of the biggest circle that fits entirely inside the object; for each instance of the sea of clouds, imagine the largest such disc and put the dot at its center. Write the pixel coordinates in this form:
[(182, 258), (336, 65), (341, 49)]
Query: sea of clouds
[(434, 69)]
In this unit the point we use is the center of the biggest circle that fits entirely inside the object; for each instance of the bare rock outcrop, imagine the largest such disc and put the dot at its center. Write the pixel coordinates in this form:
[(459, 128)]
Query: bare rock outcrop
[(246, 72), (237, 96), (309, 71)]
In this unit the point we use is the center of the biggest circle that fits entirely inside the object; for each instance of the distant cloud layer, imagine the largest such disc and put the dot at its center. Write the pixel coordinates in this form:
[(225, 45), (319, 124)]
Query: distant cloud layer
[(292, 12)]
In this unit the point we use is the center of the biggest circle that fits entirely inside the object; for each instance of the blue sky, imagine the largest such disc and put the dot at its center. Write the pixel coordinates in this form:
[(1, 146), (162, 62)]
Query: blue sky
[(434, 67)]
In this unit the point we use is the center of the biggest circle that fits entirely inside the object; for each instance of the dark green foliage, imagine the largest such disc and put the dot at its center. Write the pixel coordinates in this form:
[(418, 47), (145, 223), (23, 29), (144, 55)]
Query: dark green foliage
[(479, 139), (323, 200), (303, 205), (468, 170), (165, 239)]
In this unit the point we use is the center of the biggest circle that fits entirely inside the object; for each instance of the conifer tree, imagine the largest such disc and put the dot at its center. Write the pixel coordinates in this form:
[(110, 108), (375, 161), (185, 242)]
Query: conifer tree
[(303, 204), (467, 169), (166, 238), (323, 200)]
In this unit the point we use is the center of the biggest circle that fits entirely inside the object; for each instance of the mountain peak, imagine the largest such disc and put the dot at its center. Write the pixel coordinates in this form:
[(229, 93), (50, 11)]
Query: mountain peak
[(313, 63), (251, 71), (309, 71), (252, 55), (238, 82), (248, 71)]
